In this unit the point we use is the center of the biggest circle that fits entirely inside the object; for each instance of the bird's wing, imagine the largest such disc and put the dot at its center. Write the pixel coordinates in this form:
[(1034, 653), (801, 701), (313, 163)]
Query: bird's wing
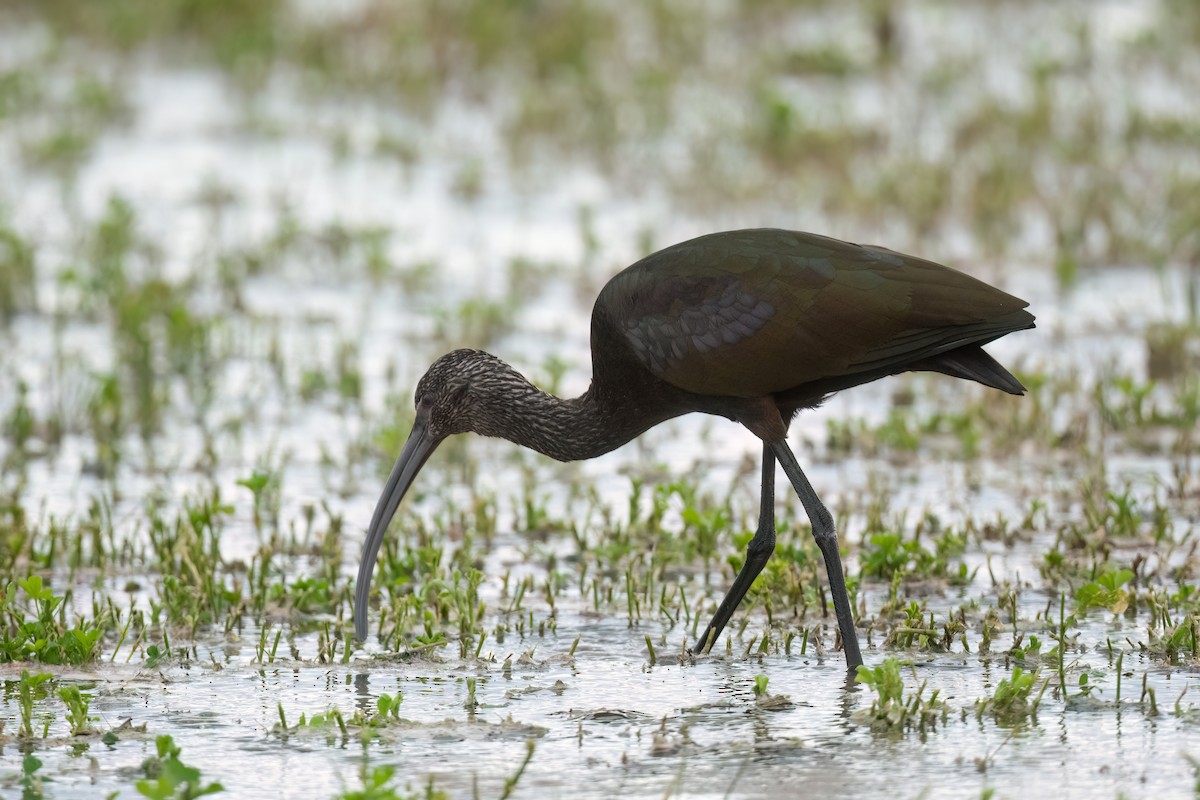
[(752, 313)]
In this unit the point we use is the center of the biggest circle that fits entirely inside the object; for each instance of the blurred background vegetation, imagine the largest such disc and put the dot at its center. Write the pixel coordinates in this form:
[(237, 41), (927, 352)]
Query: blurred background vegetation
[(534, 140), (1048, 132)]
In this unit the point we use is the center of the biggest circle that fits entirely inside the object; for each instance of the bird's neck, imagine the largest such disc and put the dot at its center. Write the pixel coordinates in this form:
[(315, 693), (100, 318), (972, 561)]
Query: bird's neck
[(568, 429)]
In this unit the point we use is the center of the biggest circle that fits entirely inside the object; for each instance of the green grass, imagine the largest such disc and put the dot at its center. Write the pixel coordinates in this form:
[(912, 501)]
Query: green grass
[(891, 711), (168, 778), (45, 636)]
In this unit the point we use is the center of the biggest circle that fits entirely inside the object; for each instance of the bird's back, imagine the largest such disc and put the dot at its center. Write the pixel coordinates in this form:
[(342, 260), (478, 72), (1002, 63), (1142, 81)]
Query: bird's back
[(759, 312)]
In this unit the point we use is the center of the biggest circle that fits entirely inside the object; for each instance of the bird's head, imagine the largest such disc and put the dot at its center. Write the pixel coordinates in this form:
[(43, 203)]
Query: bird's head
[(456, 393), (462, 391)]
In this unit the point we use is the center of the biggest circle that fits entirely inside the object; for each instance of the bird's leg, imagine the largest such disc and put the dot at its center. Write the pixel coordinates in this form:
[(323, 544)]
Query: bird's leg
[(826, 536), (758, 552)]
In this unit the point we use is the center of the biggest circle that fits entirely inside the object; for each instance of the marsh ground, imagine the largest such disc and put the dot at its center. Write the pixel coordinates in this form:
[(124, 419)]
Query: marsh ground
[(233, 235)]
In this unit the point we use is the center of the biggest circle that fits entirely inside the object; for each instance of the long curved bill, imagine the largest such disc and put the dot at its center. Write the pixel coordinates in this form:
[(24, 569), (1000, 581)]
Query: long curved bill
[(416, 450)]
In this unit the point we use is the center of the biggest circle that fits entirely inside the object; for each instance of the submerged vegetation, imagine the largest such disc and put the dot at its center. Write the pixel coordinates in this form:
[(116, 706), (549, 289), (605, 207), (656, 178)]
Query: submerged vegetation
[(232, 234)]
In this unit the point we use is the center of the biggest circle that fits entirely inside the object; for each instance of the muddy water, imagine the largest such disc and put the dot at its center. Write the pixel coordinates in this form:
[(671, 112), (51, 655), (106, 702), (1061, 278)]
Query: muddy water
[(604, 722)]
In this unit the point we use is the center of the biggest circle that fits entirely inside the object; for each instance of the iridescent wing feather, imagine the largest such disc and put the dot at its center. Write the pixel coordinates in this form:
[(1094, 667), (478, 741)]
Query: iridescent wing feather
[(756, 312)]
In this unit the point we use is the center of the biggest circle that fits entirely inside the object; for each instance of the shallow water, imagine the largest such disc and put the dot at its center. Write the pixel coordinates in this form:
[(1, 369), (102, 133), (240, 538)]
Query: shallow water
[(604, 721)]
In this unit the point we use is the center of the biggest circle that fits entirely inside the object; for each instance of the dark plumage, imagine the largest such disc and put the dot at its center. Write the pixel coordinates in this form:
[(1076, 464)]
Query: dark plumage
[(751, 325)]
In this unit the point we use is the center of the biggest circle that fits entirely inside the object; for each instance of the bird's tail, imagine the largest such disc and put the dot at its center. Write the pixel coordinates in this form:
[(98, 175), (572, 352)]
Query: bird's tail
[(972, 363)]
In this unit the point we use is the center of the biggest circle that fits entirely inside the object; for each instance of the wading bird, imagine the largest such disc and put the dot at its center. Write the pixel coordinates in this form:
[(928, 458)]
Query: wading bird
[(752, 325)]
